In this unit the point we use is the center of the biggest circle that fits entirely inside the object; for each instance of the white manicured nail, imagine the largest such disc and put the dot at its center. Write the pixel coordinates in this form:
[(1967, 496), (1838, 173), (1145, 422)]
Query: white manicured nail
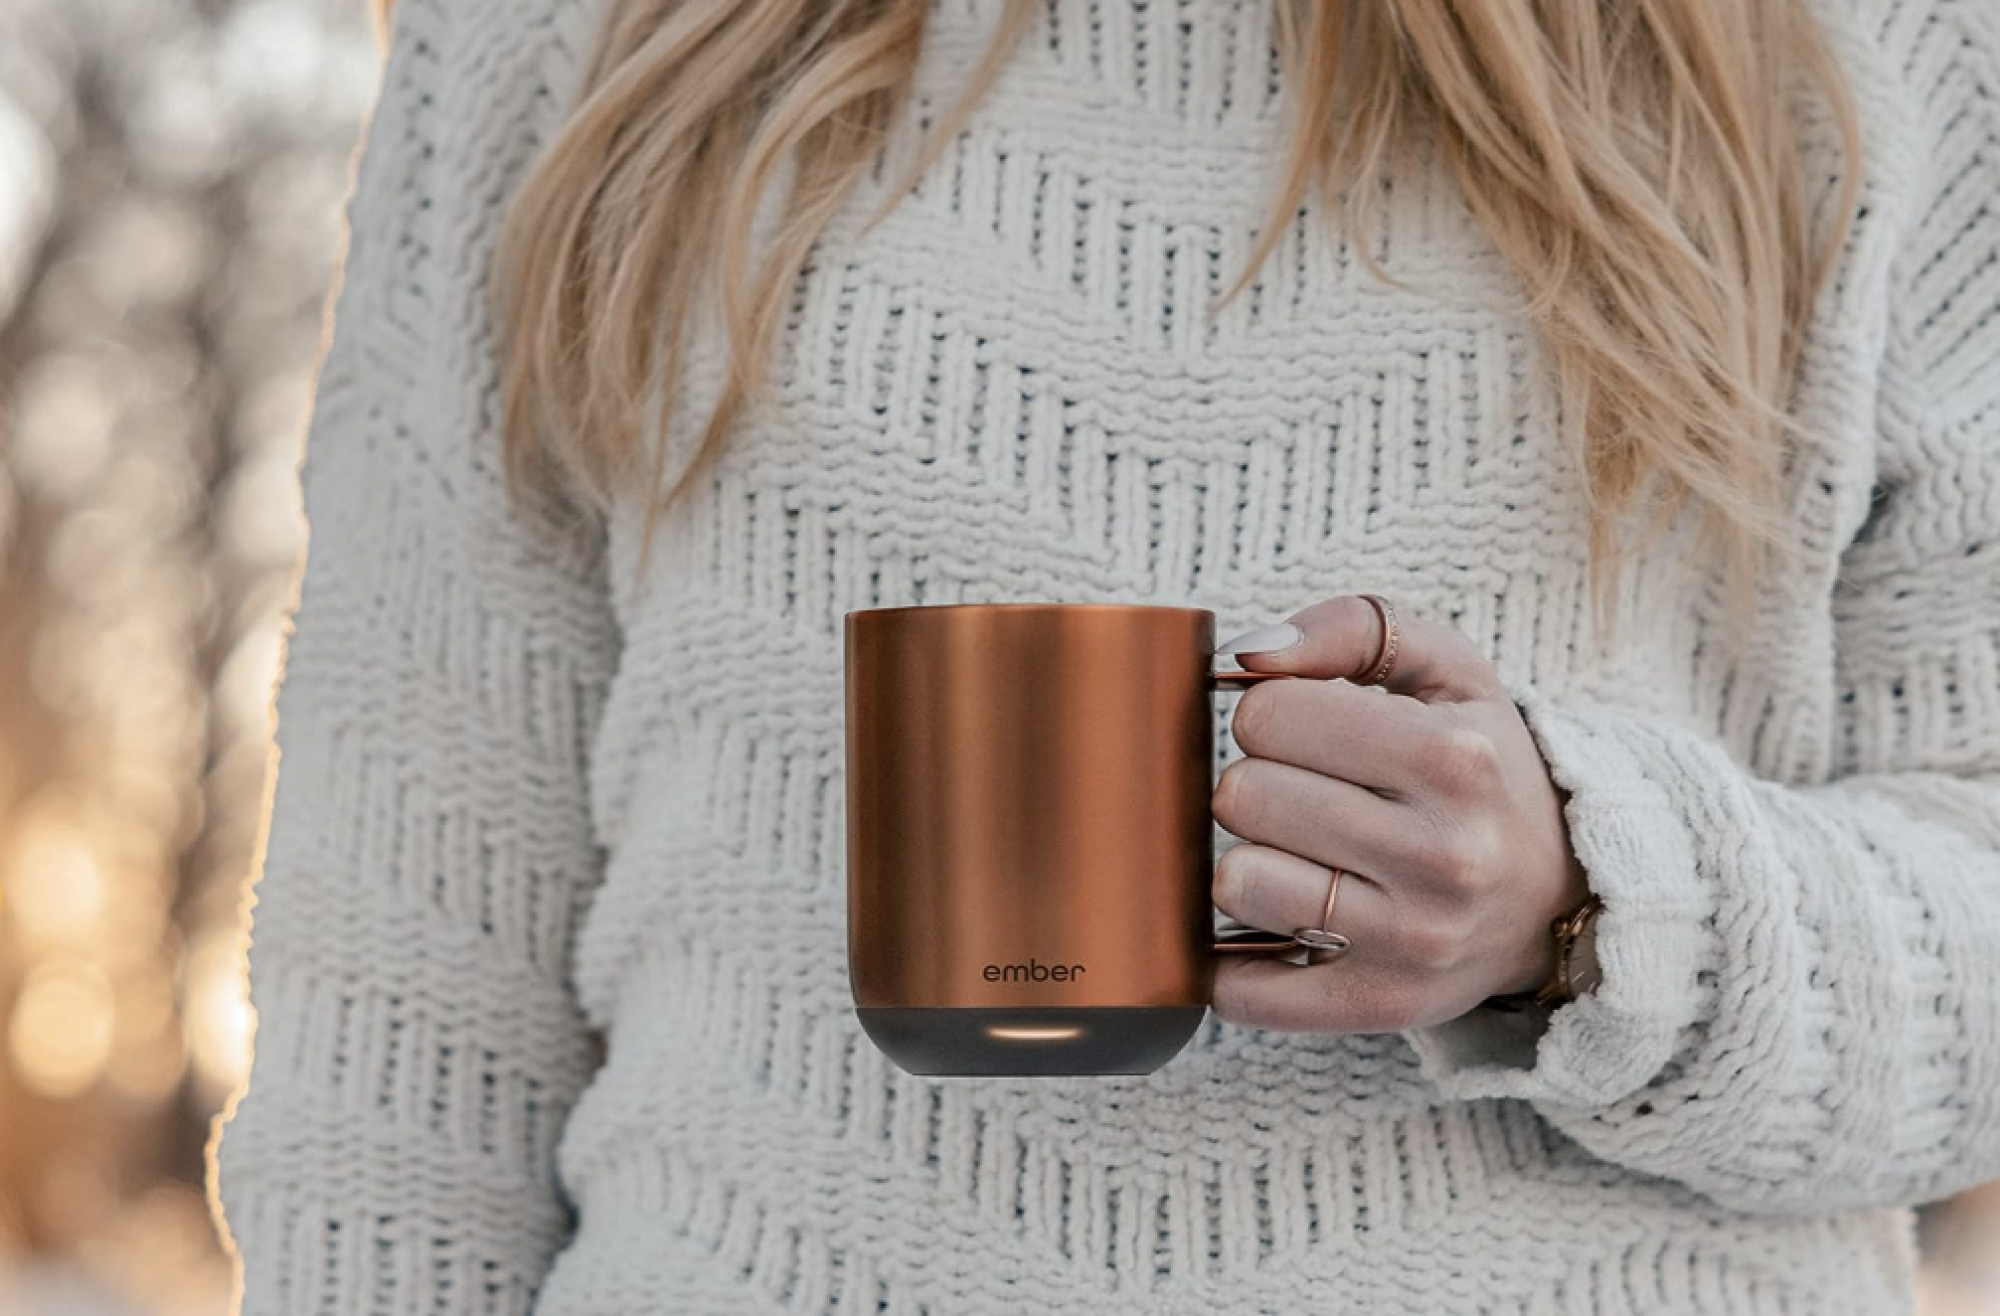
[(1275, 638)]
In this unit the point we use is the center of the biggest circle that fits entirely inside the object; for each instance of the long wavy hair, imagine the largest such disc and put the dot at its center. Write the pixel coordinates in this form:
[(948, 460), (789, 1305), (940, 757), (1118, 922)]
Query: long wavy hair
[(1637, 165)]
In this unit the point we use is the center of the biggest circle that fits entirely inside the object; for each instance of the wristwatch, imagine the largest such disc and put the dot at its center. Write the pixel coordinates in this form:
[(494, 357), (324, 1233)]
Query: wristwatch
[(1576, 970)]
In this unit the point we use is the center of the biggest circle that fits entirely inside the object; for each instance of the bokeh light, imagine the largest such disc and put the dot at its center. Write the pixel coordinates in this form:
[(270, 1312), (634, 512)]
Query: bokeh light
[(59, 1031)]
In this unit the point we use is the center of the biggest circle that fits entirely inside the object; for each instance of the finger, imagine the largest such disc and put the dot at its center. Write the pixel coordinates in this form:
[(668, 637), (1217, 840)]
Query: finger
[(1318, 818), (1340, 996), (1279, 891), (1367, 988), (1435, 663), (1348, 732)]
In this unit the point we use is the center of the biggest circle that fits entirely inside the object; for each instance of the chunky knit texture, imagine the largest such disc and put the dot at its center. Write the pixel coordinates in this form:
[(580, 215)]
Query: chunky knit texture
[(520, 802)]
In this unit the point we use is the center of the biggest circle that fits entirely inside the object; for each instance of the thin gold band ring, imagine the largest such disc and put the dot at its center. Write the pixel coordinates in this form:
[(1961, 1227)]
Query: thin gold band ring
[(1392, 641), (1323, 937)]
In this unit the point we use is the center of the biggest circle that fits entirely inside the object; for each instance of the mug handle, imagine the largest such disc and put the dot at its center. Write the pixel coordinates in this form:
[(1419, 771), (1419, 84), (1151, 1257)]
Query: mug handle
[(1246, 940), (1244, 680)]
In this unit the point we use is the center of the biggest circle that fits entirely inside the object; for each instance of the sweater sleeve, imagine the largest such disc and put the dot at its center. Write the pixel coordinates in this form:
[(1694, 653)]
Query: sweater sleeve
[(1800, 1004), (429, 846)]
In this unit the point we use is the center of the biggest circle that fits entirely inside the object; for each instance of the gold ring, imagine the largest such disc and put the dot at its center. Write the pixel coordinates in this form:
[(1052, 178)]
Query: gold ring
[(1323, 937), (1392, 642)]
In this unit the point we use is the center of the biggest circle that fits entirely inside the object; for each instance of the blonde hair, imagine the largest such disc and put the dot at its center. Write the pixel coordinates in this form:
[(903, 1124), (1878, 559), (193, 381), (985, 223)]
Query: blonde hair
[(1636, 165)]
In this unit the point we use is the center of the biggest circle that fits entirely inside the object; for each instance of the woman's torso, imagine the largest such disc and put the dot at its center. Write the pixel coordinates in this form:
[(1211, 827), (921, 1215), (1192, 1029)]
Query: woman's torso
[(1008, 392)]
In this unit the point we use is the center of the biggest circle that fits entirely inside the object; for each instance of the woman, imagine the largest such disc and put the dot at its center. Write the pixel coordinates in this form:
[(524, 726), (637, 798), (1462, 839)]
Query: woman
[(629, 400)]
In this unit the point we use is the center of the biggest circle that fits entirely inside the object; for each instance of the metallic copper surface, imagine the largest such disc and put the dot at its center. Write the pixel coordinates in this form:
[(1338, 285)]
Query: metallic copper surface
[(1028, 793)]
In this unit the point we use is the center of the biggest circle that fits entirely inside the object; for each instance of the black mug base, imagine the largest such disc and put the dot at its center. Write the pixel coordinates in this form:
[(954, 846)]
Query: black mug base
[(1030, 1042)]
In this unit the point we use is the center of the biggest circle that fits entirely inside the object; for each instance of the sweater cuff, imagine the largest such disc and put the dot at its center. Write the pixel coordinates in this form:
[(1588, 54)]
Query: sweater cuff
[(1631, 809)]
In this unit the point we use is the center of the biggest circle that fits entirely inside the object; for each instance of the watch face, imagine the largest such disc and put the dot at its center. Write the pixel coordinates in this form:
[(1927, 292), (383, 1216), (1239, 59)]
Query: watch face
[(1583, 971)]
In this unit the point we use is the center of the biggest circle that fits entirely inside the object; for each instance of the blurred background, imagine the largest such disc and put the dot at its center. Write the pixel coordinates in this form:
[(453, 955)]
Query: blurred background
[(171, 180)]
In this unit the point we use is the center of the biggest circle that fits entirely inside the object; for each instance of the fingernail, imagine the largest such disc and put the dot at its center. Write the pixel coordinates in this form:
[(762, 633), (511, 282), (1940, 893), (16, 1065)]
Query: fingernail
[(1275, 638)]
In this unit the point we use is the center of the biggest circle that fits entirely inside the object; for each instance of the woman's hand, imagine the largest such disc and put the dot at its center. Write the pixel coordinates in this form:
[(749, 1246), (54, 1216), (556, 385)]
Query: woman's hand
[(1432, 796)]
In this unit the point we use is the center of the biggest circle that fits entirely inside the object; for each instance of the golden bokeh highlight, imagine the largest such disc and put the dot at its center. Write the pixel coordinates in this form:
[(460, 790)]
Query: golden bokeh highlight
[(59, 1031)]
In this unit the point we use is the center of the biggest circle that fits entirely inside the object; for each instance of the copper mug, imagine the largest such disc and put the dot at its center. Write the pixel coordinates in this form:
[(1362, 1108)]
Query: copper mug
[(1029, 841)]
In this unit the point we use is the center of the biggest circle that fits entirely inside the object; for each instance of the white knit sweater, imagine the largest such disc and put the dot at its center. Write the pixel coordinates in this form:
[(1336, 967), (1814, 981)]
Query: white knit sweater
[(519, 802)]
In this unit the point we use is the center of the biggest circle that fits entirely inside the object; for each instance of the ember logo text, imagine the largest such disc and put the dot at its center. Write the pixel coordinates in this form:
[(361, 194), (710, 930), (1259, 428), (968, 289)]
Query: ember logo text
[(1033, 971)]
